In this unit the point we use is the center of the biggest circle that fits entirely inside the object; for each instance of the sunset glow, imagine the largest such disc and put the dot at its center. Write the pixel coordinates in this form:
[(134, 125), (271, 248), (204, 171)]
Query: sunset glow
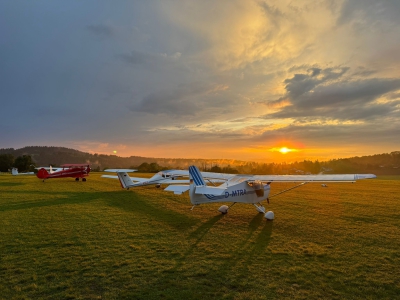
[(284, 150)]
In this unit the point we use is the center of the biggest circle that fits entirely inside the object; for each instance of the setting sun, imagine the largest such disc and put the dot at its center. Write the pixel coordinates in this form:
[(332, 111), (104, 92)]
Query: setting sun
[(284, 150)]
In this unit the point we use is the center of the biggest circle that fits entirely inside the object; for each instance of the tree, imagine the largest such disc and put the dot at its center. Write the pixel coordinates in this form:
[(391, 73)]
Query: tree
[(23, 163), (6, 162)]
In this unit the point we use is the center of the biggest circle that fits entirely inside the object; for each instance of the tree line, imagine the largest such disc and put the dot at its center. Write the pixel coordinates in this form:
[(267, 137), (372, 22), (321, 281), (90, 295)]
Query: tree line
[(23, 163), (28, 157)]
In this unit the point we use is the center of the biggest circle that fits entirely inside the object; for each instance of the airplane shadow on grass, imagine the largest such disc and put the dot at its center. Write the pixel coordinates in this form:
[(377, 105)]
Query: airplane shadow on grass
[(54, 198), (10, 184), (133, 203), (245, 254), (136, 204)]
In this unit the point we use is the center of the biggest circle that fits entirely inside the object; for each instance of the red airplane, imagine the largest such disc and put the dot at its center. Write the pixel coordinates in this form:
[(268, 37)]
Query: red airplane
[(68, 170)]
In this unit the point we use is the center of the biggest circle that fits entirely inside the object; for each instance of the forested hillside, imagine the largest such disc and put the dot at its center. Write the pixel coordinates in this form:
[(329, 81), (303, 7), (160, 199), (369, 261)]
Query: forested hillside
[(387, 163), (56, 156)]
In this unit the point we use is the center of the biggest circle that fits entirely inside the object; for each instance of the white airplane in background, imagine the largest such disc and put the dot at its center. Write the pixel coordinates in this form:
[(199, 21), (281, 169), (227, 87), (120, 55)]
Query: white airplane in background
[(248, 188), (162, 177), (50, 169), (14, 171)]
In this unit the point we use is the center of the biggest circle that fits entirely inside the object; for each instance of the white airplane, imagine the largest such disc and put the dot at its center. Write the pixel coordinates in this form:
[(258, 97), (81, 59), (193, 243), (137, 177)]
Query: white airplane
[(248, 188), (14, 171), (50, 169), (162, 177)]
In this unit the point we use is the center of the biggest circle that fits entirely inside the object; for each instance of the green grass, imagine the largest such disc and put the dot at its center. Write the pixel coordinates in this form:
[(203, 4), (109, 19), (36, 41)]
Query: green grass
[(92, 240)]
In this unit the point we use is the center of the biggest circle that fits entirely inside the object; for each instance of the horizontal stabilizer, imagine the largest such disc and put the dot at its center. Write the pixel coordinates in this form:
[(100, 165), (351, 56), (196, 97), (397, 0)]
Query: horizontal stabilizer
[(177, 189), (110, 176), (209, 190), (174, 181)]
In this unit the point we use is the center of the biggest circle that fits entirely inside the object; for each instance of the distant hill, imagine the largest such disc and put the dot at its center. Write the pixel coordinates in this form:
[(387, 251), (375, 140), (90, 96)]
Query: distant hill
[(380, 164), (56, 156)]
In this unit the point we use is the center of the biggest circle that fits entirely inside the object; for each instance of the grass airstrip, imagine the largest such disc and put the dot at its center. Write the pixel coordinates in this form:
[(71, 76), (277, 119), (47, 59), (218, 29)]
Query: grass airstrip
[(63, 239)]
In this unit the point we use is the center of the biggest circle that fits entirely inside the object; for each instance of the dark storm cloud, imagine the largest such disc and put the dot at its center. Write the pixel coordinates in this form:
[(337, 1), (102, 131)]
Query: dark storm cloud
[(303, 83), (318, 93)]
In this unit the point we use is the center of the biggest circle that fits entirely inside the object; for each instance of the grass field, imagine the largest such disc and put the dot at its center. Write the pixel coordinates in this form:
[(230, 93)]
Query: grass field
[(92, 240)]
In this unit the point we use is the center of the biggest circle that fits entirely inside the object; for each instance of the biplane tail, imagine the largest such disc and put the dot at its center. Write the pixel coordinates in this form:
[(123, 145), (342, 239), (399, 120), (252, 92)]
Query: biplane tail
[(42, 173)]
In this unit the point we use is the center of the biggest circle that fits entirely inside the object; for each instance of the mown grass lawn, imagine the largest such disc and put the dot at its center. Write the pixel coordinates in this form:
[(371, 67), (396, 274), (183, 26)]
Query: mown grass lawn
[(92, 240)]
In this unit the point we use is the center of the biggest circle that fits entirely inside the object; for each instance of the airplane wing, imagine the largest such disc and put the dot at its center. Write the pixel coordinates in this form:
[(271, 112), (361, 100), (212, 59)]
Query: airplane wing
[(221, 176), (137, 179), (312, 178), (174, 181), (177, 189), (120, 170), (176, 172)]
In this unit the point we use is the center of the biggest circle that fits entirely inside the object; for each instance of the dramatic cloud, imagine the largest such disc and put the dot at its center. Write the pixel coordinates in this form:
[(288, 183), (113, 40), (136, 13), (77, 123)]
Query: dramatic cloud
[(325, 94)]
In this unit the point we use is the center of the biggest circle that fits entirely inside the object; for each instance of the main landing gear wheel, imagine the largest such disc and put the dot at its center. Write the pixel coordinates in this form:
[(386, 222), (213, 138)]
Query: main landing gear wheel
[(77, 179), (223, 209), (83, 179), (269, 215)]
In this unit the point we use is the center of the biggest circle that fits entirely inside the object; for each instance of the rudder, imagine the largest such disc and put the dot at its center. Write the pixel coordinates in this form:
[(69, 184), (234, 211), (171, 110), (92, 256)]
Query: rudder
[(195, 174), (42, 173), (125, 180)]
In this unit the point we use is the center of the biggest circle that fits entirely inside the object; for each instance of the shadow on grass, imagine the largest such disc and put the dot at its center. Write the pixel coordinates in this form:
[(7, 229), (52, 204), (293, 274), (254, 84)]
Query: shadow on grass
[(231, 267), (11, 183), (137, 204), (249, 250), (55, 198)]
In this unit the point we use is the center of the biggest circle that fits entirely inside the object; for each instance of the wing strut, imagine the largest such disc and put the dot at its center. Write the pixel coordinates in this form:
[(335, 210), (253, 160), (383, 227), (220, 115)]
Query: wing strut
[(284, 191)]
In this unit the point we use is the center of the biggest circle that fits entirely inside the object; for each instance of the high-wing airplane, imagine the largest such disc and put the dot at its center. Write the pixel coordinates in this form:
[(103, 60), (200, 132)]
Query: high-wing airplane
[(248, 188), (67, 170), (14, 171), (162, 177)]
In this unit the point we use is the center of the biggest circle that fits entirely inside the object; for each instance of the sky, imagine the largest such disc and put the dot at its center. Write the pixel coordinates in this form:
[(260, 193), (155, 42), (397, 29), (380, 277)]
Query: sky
[(228, 79)]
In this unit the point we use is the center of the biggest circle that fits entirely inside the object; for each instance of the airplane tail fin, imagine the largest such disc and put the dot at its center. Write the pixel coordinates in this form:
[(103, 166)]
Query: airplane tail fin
[(125, 180), (196, 177), (14, 171), (42, 173)]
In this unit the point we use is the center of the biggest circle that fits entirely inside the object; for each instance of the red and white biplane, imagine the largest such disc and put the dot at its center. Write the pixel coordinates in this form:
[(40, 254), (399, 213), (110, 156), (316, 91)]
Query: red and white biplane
[(68, 170)]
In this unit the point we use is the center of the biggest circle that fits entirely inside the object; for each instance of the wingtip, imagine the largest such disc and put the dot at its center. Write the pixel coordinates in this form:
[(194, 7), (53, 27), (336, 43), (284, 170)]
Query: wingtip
[(365, 176)]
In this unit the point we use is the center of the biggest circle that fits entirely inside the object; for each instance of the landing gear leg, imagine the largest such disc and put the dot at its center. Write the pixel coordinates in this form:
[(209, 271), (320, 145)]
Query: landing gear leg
[(260, 208)]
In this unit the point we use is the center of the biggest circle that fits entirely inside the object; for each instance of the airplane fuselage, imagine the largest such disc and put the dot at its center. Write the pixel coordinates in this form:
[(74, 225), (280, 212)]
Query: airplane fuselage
[(241, 192)]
